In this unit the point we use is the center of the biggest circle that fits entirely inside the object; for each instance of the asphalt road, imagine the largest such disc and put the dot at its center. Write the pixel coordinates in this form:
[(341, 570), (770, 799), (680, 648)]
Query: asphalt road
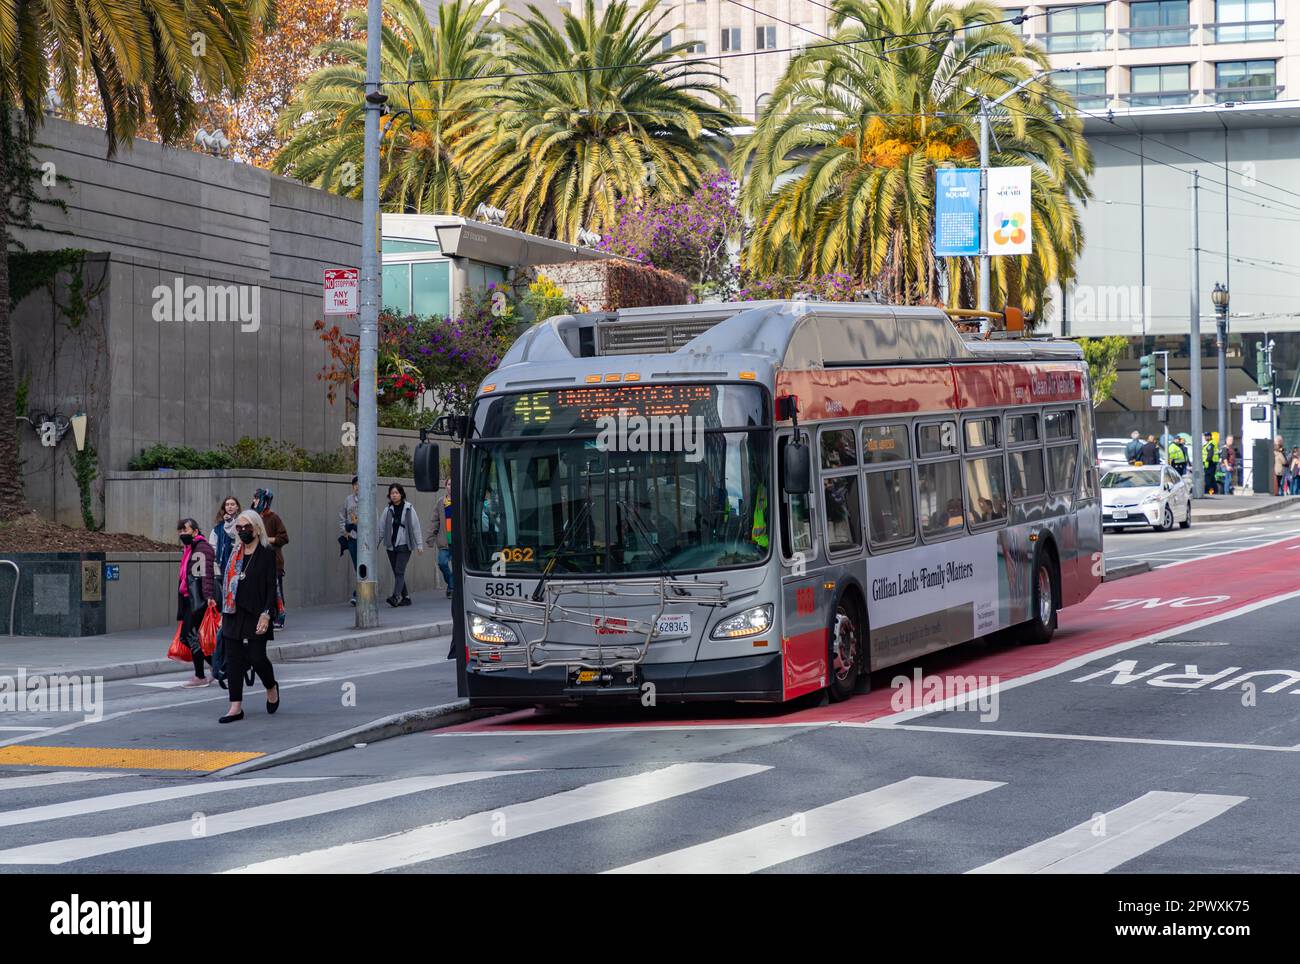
[(1202, 540), (1158, 733)]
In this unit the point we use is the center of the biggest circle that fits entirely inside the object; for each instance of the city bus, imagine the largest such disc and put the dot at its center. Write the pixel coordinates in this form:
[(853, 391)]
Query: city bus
[(759, 501)]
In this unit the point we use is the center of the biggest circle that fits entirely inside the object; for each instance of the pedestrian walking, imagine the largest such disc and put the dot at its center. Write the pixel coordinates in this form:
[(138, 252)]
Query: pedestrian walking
[(399, 532), (1149, 453), (348, 530), (195, 592), (1133, 451), (222, 538), (440, 533), (248, 597), (279, 538), (1294, 468), (1279, 466), (1232, 459)]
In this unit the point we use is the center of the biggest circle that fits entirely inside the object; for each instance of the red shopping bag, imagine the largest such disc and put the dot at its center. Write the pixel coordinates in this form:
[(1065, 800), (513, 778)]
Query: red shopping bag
[(208, 630), (178, 650)]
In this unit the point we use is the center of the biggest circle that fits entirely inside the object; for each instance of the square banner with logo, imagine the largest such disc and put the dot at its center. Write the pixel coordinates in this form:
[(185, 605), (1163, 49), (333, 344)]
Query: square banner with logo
[(1009, 210), (956, 212)]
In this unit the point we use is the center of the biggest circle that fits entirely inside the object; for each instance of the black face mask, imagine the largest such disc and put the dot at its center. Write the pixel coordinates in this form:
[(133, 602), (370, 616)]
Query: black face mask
[(186, 539), (247, 537)]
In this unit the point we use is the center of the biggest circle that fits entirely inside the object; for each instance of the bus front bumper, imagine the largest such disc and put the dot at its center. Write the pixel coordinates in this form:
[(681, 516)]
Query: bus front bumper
[(742, 678)]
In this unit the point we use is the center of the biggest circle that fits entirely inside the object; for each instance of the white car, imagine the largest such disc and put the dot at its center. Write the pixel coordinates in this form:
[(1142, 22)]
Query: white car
[(1110, 452), (1145, 495)]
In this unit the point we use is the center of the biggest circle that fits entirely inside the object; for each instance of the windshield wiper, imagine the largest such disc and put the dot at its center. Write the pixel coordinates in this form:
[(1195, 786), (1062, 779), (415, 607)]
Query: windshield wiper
[(634, 515), (554, 555)]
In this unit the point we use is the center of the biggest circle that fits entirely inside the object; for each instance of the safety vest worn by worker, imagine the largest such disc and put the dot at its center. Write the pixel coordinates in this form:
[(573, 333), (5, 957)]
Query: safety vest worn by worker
[(1176, 454), (758, 533), (1208, 452)]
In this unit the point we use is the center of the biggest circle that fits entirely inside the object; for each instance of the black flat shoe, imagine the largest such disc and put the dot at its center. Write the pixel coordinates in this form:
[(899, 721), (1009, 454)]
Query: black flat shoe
[(232, 718), (406, 601), (272, 707), (392, 601), (222, 682)]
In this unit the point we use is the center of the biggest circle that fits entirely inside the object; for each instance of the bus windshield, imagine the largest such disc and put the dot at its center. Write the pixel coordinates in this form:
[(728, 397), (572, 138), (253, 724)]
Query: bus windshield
[(692, 509)]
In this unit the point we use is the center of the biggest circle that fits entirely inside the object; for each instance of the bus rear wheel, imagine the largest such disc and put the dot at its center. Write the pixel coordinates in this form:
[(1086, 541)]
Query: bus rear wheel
[(846, 650), (1042, 619)]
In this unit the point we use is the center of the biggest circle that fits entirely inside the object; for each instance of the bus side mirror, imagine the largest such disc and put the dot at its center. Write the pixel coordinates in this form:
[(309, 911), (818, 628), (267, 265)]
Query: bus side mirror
[(426, 467), (797, 469)]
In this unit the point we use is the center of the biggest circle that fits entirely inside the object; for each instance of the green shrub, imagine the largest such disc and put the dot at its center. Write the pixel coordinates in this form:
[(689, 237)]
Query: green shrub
[(395, 463), (177, 457)]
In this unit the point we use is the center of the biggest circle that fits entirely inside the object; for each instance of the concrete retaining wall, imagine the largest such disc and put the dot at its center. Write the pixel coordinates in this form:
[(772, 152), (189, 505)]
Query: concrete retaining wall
[(150, 503)]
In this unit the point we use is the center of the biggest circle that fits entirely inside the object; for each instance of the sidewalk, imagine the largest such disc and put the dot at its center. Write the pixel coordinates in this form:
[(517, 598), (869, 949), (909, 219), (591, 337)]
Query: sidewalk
[(307, 632), (1223, 508)]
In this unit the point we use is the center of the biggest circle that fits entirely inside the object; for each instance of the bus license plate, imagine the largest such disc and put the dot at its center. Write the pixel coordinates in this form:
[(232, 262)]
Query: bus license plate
[(673, 625)]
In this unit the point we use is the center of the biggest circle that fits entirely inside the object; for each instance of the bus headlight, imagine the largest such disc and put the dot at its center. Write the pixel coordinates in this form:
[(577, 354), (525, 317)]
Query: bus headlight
[(489, 631), (749, 623)]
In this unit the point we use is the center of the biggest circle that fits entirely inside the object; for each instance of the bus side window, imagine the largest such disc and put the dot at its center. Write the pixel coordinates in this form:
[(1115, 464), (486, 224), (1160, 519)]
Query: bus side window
[(796, 512)]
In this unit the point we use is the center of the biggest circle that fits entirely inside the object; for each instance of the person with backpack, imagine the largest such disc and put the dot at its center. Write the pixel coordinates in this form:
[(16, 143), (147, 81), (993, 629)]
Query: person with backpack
[(1133, 451), (440, 533), (399, 533), (195, 592), (348, 528), (279, 538)]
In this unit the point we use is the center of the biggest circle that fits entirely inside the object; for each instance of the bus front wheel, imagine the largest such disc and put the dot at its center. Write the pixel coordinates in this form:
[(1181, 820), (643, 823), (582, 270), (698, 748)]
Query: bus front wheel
[(1042, 619), (846, 650)]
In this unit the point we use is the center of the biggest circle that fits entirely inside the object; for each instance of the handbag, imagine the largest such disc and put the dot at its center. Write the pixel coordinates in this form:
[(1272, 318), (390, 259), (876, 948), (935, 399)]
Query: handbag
[(178, 650), (208, 630)]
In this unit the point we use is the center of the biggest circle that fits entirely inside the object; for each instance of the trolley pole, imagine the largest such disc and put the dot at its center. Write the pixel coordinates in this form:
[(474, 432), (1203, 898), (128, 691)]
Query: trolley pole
[(1198, 464), (367, 408)]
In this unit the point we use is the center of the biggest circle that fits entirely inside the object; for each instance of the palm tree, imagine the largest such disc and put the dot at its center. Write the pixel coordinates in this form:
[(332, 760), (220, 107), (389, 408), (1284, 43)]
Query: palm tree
[(843, 158), (149, 59), (595, 109), (326, 121)]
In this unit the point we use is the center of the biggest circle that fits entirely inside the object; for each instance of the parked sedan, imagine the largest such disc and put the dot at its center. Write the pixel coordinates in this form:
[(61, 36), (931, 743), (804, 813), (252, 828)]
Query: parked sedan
[(1153, 495), (1110, 452)]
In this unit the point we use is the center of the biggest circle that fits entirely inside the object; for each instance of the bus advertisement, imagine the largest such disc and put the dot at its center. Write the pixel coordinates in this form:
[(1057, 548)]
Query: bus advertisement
[(763, 500)]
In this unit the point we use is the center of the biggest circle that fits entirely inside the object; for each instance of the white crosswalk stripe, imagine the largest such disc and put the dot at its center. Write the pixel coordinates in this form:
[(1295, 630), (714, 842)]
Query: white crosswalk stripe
[(433, 841), (135, 798), (54, 779), (80, 848), (828, 826), (1096, 847)]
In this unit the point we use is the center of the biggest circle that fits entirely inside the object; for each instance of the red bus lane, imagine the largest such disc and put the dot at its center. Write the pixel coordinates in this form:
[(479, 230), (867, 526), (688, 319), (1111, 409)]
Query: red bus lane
[(1118, 616)]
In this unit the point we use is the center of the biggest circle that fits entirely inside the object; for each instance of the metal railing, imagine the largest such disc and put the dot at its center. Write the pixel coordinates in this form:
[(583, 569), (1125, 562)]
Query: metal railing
[(1160, 98), (1075, 41), (1242, 31), (13, 596), (1224, 95), (1162, 35)]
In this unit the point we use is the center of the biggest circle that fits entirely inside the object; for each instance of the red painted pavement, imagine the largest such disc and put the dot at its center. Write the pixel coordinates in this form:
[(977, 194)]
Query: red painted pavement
[(1177, 596)]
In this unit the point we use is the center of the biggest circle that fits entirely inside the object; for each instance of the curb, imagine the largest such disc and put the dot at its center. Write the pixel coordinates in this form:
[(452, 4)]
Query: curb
[(1121, 572), (277, 651), (384, 728), (1283, 502)]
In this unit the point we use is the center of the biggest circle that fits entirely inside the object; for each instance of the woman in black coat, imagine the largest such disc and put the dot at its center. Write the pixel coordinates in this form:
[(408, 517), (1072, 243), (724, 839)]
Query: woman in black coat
[(248, 601)]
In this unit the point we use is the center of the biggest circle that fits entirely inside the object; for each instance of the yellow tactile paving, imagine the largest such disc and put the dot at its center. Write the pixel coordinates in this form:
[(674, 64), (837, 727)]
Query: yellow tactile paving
[(121, 758)]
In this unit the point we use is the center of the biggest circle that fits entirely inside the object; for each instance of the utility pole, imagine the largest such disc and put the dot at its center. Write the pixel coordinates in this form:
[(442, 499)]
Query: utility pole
[(984, 206), (1198, 465), (367, 407)]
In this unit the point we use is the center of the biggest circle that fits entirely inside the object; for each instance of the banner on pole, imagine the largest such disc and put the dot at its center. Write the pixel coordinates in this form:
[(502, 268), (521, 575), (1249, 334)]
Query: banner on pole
[(1009, 209), (956, 212)]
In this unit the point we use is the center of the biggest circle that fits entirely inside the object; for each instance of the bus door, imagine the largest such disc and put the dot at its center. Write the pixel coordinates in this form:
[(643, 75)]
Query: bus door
[(804, 605), (1087, 517)]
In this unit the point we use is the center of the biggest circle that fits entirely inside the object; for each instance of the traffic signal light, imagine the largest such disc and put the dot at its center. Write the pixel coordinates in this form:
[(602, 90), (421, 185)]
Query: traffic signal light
[(1262, 373), (1147, 372)]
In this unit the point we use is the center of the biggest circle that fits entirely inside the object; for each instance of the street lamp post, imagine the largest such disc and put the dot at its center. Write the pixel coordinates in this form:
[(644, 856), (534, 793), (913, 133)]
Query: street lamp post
[(1220, 298), (1198, 443)]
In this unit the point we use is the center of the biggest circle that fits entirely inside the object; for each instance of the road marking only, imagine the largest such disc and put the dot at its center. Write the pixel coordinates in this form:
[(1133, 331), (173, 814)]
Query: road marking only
[(828, 826), (1099, 846)]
